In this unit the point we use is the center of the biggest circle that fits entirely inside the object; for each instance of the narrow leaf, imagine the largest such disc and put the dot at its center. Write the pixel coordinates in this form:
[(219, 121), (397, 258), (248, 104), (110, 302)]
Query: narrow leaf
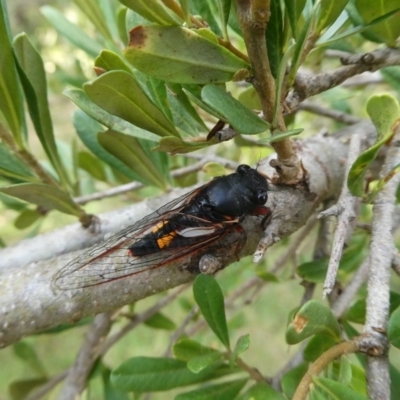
[(154, 11), (241, 346), (180, 55), (71, 32), (12, 166), (337, 390), (119, 93), (87, 129), (199, 363), (112, 122), (160, 321), (209, 297), (145, 374), (129, 150), (46, 196), (11, 103), (185, 349), (242, 119), (33, 78)]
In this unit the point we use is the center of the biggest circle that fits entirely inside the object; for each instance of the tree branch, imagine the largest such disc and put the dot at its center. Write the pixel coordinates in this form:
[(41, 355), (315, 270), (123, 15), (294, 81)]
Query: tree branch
[(30, 303), (344, 209), (307, 86), (382, 249)]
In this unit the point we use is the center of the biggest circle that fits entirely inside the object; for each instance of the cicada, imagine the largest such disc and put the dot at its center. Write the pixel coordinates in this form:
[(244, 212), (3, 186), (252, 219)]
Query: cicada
[(183, 227)]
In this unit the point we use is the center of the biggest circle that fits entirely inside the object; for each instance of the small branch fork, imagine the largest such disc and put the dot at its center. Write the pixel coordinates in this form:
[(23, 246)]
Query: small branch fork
[(382, 249), (307, 86), (344, 209)]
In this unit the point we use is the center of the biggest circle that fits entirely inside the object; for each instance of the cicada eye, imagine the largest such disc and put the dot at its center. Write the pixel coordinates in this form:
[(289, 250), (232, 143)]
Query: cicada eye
[(262, 198)]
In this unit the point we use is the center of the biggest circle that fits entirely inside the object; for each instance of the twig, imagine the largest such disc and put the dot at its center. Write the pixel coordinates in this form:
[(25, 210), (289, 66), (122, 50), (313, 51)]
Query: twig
[(140, 318), (144, 316), (307, 86), (338, 116), (381, 255), (344, 209), (343, 302), (317, 367), (49, 385), (137, 185), (90, 350)]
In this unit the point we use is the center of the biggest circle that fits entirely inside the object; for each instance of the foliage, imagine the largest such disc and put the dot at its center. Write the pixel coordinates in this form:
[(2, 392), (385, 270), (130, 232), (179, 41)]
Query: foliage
[(166, 72)]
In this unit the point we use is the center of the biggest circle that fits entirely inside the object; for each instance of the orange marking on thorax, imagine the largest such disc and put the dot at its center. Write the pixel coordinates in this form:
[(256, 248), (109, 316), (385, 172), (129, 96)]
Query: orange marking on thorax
[(166, 240)]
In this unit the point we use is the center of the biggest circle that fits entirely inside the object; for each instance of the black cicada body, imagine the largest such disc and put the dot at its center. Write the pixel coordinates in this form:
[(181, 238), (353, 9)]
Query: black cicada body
[(182, 227)]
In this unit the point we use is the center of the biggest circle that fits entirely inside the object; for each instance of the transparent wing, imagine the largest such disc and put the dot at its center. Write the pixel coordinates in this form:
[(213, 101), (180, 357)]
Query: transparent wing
[(111, 259)]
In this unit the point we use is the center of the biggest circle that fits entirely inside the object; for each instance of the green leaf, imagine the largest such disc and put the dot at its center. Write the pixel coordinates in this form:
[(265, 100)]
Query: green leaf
[(221, 391), (92, 165), (209, 297), (145, 374), (129, 150), (262, 391), (275, 36), (21, 389), (180, 55), (71, 32), (317, 345), (154, 11), (111, 61), (291, 380), (242, 119), (27, 218), (174, 145), (394, 328), (345, 372), (387, 31), (384, 112), (293, 10), (337, 390), (26, 352), (110, 121), (199, 363), (119, 93), (356, 313), (87, 129), (185, 349), (241, 346), (11, 103), (46, 196), (330, 11), (224, 8), (184, 115), (313, 318), (313, 271), (278, 136), (370, 198), (358, 29), (33, 78), (110, 392), (300, 44), (160, 321), (101, 21), (13, 167)]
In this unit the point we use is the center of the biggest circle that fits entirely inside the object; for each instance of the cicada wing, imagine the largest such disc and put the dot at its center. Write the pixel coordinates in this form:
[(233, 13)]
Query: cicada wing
[(111, 259)]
